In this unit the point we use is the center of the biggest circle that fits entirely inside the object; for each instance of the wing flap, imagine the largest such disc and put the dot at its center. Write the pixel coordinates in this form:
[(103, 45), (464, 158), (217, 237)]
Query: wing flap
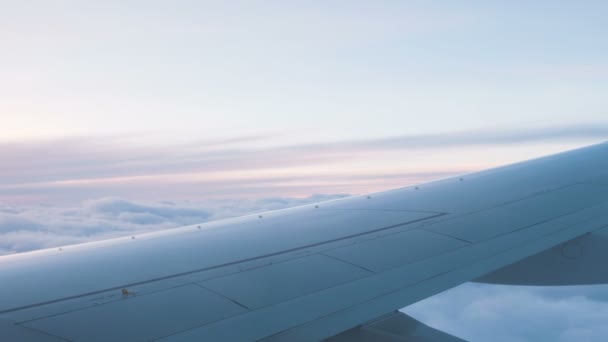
[(279, 282), (10, 331), (140, 317), (395, 327), (396, 250), (580, 261), (522, 213)]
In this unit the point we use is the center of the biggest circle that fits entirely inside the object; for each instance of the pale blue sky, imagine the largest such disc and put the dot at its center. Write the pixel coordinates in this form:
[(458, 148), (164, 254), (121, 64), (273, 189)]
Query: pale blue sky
[(95, 91), (309, 70)]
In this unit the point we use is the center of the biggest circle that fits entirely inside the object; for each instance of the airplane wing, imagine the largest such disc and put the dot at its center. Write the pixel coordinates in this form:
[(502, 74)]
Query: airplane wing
[(337, 270)]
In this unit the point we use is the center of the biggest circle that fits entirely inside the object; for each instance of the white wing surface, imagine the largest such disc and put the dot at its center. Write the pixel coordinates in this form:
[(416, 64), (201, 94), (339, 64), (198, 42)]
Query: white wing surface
[(337, 269)]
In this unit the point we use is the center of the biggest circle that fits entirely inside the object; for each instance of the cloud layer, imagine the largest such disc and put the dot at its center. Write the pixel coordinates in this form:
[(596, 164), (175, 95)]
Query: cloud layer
[(27, 228), (77, 169), (479, 312)]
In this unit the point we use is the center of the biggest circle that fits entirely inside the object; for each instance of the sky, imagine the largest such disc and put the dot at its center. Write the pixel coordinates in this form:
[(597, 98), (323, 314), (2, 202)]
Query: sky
[(121, 117)]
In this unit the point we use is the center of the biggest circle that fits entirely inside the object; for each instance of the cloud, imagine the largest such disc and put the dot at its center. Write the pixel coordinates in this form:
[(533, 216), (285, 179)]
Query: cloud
[(79, 168), (120, 208), (479, 312), (495, 137), (90, 158), (11, 222), (34, 227)]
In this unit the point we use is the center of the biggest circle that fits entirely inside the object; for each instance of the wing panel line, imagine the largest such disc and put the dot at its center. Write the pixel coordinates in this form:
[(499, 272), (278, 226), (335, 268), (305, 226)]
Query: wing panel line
[(220, 265)]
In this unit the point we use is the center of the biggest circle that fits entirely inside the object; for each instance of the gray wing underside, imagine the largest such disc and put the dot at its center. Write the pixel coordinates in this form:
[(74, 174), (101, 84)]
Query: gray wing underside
[(394, 327), (323, 271)]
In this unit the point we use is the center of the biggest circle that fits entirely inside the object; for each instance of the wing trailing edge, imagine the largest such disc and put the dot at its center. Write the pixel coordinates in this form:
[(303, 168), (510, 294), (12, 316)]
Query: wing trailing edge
[(581, 261), (394, 327)]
